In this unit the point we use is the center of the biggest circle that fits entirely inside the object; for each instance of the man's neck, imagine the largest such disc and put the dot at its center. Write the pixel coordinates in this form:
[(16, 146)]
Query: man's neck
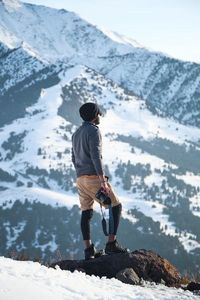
[(90, 122)]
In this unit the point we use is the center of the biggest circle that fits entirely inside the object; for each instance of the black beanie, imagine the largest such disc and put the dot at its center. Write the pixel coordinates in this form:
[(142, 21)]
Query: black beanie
[(89, 111)]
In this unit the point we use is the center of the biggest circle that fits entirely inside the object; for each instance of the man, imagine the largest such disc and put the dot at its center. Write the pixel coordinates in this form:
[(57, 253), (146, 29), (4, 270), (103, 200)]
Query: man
[(87, 160)]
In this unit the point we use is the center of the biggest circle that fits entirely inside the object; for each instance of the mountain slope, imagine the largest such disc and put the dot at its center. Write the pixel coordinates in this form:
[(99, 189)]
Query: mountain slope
[(152, 161), (22, 77), (69, 36), (36, 160), (170, 87)]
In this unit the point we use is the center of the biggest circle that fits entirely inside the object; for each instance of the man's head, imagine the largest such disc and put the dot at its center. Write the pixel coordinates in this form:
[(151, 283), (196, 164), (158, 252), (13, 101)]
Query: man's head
[(90, 112)]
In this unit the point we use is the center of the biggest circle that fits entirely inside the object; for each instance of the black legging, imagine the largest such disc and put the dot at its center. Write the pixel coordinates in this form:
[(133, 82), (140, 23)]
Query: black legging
[(86, 217), (116, 211)]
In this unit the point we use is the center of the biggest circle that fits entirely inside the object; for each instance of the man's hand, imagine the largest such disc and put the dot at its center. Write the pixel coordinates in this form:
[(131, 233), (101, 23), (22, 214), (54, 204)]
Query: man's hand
[(104, 185)]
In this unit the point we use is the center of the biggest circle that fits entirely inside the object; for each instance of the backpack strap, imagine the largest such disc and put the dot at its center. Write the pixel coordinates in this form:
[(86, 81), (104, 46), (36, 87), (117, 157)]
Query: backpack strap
[(111, 221)]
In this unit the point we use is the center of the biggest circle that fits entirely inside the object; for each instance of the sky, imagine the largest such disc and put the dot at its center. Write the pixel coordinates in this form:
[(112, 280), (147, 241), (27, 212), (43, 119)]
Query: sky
[(168, 26)]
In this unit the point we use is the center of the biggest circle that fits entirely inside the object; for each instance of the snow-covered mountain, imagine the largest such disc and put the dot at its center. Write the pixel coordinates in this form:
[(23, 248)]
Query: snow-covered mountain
[(51, 62), (170, 87)]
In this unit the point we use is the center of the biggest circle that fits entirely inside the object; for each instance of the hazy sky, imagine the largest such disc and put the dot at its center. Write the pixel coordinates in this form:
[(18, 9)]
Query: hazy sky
[(169, 26)]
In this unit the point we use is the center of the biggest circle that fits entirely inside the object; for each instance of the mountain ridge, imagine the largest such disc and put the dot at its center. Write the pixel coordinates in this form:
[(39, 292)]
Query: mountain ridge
[(170, 87)]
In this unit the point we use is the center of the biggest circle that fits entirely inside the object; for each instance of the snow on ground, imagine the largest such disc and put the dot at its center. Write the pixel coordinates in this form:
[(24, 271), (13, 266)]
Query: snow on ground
[(42, 130), (46, 196), (155, 211), (12, 5), (193, 180), (190, 178), (30, 280), (195, 205), (129, 118)]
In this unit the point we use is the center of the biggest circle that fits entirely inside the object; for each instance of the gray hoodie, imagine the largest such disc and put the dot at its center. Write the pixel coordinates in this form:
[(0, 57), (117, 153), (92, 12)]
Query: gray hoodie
[(87, 150)]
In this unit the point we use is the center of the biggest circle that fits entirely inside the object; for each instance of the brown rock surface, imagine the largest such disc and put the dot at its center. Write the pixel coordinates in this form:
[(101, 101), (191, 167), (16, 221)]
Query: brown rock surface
[(147, 265)]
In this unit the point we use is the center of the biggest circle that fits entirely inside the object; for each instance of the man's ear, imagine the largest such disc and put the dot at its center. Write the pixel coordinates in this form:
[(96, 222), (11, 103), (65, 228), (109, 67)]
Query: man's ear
[(95, 118), (96, 121)]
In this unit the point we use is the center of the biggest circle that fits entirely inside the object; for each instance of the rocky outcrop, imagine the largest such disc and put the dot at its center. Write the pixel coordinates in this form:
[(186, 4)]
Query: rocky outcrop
[(193, 287), (128, 276), (146, 264)]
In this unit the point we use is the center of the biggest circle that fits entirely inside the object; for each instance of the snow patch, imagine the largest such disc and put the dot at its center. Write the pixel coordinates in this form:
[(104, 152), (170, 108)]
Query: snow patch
[(48, 197), (12, 5), (20, 278)]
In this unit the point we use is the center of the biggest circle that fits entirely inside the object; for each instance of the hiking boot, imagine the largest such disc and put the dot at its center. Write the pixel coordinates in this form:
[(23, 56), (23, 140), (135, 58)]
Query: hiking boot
[(92, 252), (114, 247)]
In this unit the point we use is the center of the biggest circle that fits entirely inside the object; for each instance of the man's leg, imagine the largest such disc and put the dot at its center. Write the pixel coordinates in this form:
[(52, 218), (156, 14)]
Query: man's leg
[(112, 245), (114, 222), (87, 191), (86, 202), (116, 208), (86, 217)]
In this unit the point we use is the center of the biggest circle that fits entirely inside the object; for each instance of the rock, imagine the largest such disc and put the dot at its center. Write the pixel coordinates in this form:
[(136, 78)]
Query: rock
[(129, 276), (162, 282), (147, 265), (193, 286)]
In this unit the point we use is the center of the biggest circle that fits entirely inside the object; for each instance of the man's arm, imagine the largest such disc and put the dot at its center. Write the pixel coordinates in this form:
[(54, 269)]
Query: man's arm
[(73, 157), (95, 145)]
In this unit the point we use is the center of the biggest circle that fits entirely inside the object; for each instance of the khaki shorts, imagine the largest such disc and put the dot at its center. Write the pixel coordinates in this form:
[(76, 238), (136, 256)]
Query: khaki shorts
[(87, 188)]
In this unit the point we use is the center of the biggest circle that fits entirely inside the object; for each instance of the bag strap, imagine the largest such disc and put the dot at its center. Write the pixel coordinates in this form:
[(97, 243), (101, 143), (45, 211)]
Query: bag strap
[(111, 221)]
